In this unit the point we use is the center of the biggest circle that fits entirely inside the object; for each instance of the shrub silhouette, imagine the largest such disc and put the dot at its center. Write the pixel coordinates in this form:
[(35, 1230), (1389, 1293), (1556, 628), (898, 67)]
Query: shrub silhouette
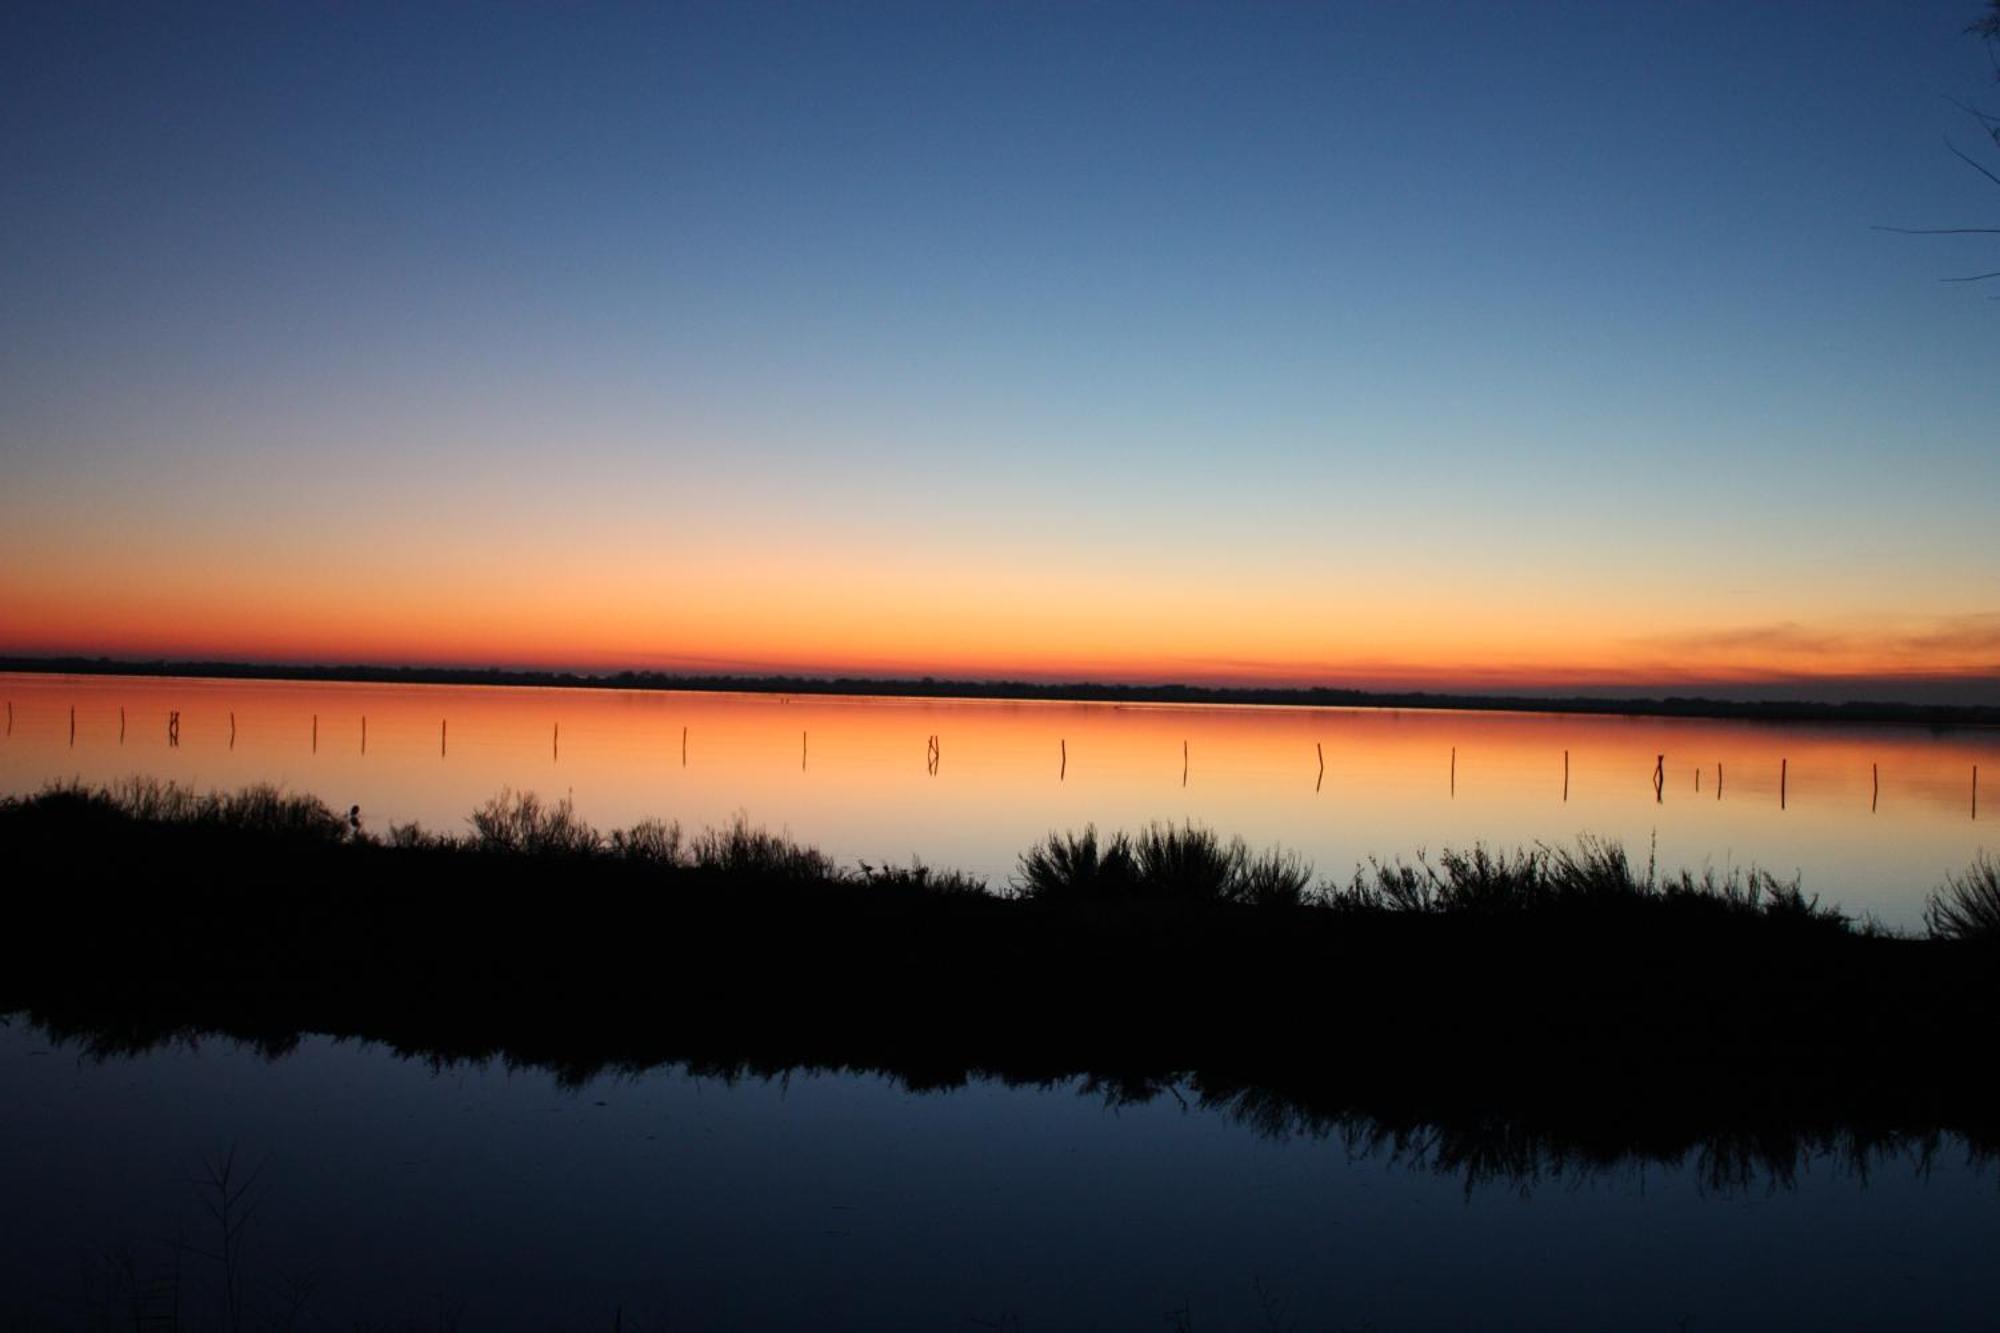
[(1968, 906), (1076, 866)]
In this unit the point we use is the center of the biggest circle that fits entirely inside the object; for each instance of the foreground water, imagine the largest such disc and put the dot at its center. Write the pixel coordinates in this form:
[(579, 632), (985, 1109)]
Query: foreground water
[(393, 1194), (1871, 817)]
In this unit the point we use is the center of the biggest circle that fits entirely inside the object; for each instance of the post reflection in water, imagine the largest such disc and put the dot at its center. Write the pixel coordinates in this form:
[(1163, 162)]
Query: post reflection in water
[(1339, 786)]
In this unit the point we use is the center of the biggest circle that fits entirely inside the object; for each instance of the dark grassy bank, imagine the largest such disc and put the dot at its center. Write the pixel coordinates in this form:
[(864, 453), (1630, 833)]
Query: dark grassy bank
[(1556, 1000), (927, 687)]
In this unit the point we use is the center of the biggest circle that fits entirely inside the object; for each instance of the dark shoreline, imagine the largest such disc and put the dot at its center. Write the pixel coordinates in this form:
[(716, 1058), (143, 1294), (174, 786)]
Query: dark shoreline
[(1928, 715), (1595, 1033)]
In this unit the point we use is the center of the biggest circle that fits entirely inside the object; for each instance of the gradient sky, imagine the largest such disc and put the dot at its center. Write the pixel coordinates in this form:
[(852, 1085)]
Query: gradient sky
[(1449, 345)]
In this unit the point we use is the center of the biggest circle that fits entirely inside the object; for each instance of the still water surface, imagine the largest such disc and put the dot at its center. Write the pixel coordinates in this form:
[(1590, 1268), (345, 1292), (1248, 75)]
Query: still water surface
[(1871, 817), (396, 1195)]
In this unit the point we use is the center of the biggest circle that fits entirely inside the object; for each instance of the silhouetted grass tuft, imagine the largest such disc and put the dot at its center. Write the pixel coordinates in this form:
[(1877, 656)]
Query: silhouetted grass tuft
[(1188, 864), (412, 837), (1277, 878), (1594, 875), (521, 822), (260, 808), (651, 841), (742, 850), (1066, 866), (1968, 906), (929, 879)]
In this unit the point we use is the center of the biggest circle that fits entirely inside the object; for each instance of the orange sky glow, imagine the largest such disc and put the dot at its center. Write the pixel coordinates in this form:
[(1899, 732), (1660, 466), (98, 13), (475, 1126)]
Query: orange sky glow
[(864, 619)]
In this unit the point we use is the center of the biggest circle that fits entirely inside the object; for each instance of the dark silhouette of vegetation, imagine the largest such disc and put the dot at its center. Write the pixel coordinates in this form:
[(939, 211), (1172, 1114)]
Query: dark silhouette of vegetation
[(1163, 863), (1074, 866), (1968, 906), (1770, 710), (1593, 875), (1599, 1007)]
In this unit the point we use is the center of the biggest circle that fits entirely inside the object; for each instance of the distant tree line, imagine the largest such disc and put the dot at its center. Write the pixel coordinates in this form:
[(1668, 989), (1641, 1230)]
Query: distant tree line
[(930, 687)]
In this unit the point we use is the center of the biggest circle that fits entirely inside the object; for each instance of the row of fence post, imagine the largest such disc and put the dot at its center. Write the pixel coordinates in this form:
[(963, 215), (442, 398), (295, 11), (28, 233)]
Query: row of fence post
[(933, 758)]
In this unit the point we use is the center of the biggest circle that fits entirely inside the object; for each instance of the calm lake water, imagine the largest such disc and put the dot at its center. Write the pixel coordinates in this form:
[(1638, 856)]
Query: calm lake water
[(396, 1195), (1872, 817), (401, 1193)]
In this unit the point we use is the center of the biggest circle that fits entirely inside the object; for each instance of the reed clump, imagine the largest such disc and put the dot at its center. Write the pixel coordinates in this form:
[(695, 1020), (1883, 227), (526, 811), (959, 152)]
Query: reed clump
[(923, 878), (1595, 874), (1184, 863), (260, 808), (522, 823), (1188, 863), (651, 841), (740, 849), (1968, 906), (1068, 866)]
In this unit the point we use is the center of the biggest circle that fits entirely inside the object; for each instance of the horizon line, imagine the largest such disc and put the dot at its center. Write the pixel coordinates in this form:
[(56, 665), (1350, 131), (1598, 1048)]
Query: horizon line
[(832, 682)]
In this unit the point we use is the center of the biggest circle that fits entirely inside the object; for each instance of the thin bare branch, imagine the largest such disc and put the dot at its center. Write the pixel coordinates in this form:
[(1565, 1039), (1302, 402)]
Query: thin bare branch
[(1975, 277), (1973, 111), (1941, 231), (1962, 156)]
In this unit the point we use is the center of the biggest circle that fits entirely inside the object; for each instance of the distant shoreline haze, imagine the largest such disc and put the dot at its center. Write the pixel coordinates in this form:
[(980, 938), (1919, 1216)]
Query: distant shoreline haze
[(1752, 700)]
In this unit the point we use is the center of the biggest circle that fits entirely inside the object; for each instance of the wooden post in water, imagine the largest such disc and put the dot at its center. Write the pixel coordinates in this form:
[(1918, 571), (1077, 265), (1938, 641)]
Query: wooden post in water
[(1718, 779), (1659, 779), (1565, 777), (444, 724), (1697, 779), (684, 747), (1320, 751), (1454, 771), (72, 726), (1784, 768), (1975, 791), (315, 733), (121, 724), (1875, 793), (364, 733), (1184, 763), (555, 744), (1062, 774)]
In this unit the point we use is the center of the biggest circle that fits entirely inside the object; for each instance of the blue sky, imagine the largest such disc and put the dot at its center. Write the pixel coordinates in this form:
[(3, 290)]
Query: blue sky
[(1572, 305)]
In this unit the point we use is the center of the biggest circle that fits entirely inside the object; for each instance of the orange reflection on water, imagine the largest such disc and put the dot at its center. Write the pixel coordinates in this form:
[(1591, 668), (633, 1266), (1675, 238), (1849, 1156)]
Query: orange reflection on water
[(1871, 817)]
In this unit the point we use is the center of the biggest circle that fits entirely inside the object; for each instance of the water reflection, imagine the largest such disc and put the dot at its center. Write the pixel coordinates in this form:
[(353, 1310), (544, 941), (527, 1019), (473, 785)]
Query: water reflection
[(1466, 1135), (1871, 817), (429, 1189)]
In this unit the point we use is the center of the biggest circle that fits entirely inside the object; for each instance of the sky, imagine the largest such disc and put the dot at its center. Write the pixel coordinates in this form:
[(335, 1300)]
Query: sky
[(1538, 347)]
